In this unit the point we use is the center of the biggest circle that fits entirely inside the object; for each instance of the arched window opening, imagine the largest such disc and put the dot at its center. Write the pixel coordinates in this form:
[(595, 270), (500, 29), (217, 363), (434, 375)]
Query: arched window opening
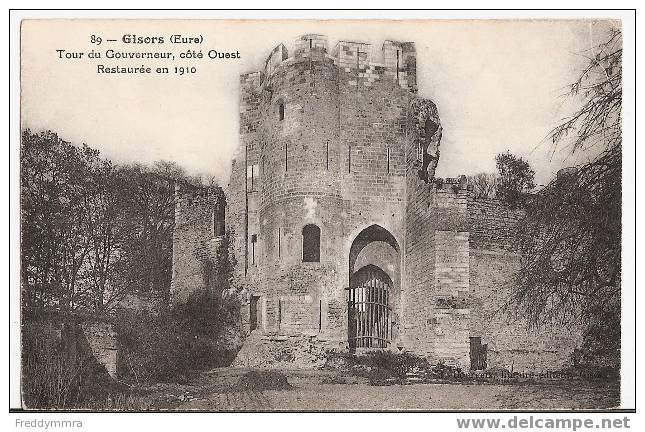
[(311, 243)]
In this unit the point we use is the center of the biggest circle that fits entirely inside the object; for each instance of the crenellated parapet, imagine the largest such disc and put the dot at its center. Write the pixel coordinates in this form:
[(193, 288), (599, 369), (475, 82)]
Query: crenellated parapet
[(395, 62)]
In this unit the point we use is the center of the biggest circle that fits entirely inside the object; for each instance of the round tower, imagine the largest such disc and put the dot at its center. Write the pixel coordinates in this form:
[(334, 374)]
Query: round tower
[(299, 203), (318, 189)]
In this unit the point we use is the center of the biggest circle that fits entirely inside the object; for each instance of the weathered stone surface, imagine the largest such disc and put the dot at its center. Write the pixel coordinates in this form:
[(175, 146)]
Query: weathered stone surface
[(102, 340), (296, 351), (343, 142), (198, 255)]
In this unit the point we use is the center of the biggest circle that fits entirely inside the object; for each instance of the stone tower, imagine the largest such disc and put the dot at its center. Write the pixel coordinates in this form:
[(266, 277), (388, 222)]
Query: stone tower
[(341, 235), (199, 246), (318, 189)]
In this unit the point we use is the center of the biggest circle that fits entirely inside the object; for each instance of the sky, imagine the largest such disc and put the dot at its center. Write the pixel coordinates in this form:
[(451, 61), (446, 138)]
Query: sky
[(498, 85)]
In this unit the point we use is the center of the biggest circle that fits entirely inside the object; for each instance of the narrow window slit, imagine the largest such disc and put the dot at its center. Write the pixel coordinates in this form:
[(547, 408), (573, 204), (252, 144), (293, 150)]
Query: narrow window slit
[(279, 313), (388, 160), (327, 156), (254, 240), (397, 66), (219, 221)]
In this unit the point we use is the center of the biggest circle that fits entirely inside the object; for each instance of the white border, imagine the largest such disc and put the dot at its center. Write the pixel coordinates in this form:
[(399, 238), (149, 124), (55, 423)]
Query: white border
[(444, 421)]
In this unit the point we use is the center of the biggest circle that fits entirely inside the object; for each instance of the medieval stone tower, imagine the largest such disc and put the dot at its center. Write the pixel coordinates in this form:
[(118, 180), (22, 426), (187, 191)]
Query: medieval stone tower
[(341, 235)]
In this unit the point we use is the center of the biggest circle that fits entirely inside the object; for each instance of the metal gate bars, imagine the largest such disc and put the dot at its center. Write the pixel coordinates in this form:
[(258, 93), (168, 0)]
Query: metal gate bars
[(368, 308)]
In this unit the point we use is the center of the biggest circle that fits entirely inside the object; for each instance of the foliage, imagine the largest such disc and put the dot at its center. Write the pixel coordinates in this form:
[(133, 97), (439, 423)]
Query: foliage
[(177, 342), (148, 216), (598, 122), (379, 365), (484, 185), (63, 203), (92, 231), (444, 371), (571, 236), (61, 373), (601, 339), (571, 243), (515, 179)]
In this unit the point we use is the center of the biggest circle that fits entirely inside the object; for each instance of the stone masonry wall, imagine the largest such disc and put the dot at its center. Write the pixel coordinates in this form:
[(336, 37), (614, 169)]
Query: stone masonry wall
[(446, 295), (420, 227), (472, 247), (335, 158), (79, 336), (494, 262), (341, 141), (198, 241), (102, 340)]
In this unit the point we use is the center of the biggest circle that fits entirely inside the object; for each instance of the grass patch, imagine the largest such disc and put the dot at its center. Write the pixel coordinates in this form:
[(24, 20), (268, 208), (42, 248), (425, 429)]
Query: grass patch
[(264, 380), (380, 367)]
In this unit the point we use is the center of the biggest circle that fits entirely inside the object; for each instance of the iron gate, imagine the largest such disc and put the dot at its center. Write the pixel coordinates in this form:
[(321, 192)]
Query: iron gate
[(368, 309)]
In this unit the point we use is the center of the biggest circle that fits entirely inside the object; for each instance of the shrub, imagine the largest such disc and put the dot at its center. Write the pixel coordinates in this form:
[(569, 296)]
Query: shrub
[(442, 370), (387, 367), (379, 365), (173, 344), (62, 373)]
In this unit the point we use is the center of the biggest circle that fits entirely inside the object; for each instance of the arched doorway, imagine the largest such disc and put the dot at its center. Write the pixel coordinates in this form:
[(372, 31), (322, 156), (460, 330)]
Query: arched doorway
[(372, 288)]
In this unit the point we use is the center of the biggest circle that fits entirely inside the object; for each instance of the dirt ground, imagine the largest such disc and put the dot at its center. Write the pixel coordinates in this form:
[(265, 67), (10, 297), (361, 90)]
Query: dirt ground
[(331, 391)]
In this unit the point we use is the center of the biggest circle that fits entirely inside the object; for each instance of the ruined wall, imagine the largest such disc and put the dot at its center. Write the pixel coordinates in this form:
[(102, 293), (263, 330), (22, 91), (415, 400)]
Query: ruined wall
[(452, 302), (78, 336), (470, 246), (136, 301), (102, 341), (198, 241), (494, 262), (439, 300), (420, 227)]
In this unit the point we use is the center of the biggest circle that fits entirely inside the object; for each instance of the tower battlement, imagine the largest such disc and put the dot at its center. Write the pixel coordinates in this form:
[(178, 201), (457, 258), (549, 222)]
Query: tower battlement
[(394, 62)]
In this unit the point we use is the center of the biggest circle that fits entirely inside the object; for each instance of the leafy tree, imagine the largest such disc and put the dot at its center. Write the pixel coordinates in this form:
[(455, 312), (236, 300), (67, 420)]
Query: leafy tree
[(484, 185), (92, 231), (515, 179), (148, 225), (54, 243), (571, 235)]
